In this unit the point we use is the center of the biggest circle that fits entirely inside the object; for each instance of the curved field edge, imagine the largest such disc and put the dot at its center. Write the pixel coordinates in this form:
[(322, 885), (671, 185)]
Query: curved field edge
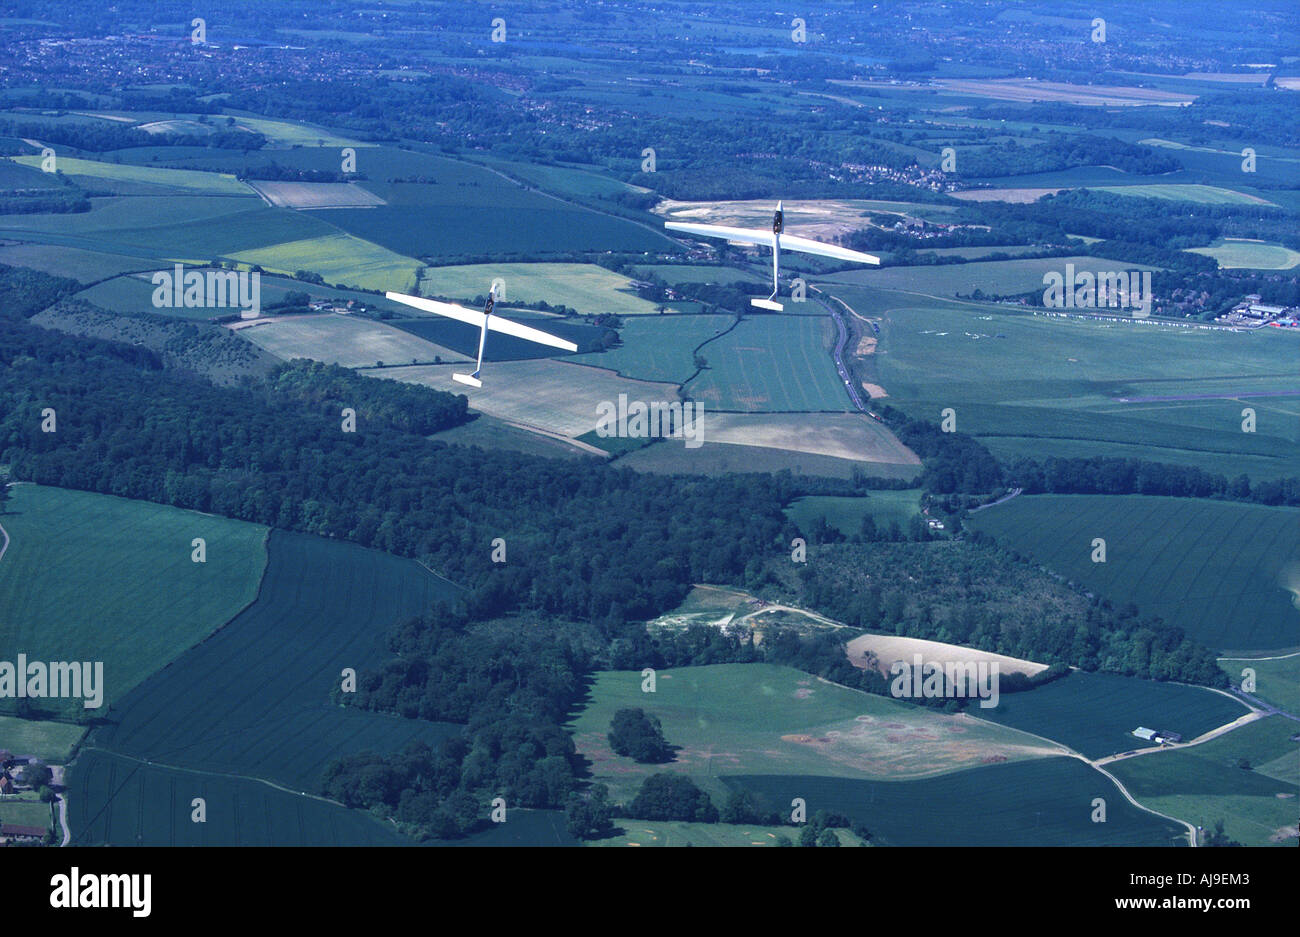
[(1044, 802), (253, 700), (1216, 569), (91, 577)]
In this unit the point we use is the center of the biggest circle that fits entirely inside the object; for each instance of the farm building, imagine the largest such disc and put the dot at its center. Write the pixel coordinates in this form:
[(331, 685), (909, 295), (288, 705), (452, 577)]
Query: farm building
[(1148, 735)]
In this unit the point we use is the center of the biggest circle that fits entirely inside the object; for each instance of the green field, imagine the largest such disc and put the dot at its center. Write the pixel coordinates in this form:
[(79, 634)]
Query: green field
[(772, 363), (658, 348), (121, 802), (83, 265), (1277, 681), (345, 340), (1039, 386), (700, 273), (767, 719), (27, 811), (1212, 568), (1187, 192), (180, 227), (339, 259), (1095, 713), (207, 183), (845, 513), (91, 577), (48, 741), (1000, 277), (1045, 802), (294, 133), (590, 289), (323, 605), (719, 458), (1237, 253), (1205, 784)]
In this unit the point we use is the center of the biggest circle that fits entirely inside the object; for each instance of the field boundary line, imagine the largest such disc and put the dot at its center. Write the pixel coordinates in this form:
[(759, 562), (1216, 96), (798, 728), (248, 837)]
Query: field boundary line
[(1191, 830), (218, 774)]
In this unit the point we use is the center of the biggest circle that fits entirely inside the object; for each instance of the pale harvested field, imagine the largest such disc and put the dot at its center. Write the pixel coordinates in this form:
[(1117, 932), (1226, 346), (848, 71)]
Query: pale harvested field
[(308, 195), (887, 648), (1016, 196), (1027, 90), (841, 435), (819, 218), (544, 394), (340, 339)]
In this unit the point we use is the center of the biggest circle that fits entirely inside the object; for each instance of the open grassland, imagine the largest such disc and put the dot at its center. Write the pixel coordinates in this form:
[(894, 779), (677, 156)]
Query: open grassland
[(491, 433), (339, 258), (1040, 385), (766, 719), (83, 265), (91, 577), (571, 181), (1277, 681), (1213, 568), (772, 364), (341, 339), (310, 195), (49, 741), (466, 209), (1043, 802), (323, 605), (285, 133), (700, 273), (588, 288), (992, 277), (1238, 253), (845, 514), (1095, 713), (852, 436), (119, 801), (208, 183), (180, 227), (1187, 192), (542, 394), (26, 810), (1208, 782), (659, 348), (718, 458), (1029, 90)]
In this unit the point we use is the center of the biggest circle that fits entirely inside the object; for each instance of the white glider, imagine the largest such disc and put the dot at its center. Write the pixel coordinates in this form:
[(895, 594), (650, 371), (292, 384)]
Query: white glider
[(775, 240), (485, 321)]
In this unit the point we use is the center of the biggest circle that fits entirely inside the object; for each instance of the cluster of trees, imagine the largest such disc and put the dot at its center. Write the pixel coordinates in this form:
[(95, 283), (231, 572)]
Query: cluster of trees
[(954, 462), (407, 408), (636, 735), (1064, 151), (101, 136), (274, 172), (43, 201), (977, 594), (1108, 475), (510, 688)]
